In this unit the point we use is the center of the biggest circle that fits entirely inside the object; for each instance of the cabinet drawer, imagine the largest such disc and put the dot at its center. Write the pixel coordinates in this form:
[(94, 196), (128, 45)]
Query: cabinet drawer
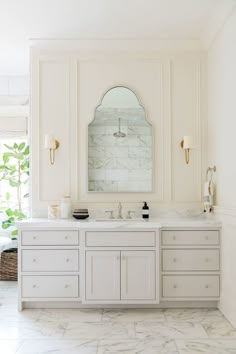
[(190, 237), (190, 260), (50, 286), (50, 260), (184, 286), (120, 238), (50, 238)]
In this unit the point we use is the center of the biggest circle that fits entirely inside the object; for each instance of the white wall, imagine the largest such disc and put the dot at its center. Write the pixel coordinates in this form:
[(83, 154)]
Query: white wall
[(221, 150), (68, 84)]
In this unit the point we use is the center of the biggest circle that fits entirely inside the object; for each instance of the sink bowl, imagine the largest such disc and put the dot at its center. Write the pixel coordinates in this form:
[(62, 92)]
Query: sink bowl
[(119, 220)]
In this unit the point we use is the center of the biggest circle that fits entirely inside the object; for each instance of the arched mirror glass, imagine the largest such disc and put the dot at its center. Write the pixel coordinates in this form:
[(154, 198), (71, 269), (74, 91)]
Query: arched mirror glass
[(120, 145)]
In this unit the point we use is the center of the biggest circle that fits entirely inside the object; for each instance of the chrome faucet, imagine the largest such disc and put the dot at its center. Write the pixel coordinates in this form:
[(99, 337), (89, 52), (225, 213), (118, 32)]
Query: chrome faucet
[(119, 211)]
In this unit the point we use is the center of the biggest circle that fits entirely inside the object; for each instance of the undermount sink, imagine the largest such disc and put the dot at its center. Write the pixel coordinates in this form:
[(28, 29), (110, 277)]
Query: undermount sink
[(119, 220)]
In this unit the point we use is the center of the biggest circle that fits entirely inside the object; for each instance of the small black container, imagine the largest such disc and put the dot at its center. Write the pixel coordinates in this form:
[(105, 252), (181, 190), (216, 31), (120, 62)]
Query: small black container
[(145, 212), (80, 214)]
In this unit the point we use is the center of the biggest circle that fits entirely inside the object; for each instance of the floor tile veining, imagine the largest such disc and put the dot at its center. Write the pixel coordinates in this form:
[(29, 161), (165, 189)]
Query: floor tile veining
[(109, 331)]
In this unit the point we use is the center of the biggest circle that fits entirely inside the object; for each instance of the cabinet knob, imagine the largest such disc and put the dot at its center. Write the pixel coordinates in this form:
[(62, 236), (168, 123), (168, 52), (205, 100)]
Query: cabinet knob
[(34, 286), (206, 237), (34, 260), (207, 260), (34, 237), (66, 286), (66, 237), (174, 260), (206, 286), (175, 286), (67, 260)]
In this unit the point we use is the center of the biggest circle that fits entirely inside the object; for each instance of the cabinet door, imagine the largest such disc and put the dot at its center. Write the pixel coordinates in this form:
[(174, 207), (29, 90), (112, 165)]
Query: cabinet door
[(138, 275), (103, 275)]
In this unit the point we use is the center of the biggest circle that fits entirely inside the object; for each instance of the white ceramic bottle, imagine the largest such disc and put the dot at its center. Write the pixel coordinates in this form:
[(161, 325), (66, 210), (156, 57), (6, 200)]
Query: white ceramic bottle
[(66, 207)]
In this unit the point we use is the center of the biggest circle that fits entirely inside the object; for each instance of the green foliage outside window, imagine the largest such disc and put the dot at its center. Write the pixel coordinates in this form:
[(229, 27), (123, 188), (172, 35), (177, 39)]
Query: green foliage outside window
[(14, 169)]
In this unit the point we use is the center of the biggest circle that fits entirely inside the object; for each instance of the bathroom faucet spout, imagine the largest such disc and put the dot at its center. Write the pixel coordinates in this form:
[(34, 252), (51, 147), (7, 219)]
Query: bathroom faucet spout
[(120, 211)]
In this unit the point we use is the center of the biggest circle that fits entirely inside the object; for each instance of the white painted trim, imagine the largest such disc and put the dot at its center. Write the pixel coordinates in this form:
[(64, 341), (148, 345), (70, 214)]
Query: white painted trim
[(160, 44)]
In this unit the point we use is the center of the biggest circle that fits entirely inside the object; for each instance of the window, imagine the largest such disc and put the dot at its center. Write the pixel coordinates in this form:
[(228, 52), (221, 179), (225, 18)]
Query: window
[(10, 196), (14, 172)]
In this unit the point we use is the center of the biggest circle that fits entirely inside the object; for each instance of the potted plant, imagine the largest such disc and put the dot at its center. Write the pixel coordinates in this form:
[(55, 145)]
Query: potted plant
[(14, 172)]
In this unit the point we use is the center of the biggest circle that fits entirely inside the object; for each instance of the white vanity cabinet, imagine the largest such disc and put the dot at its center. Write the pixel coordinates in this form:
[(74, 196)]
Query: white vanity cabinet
[(102, 275), (71, 264), (190, 264), (48, 265), (121, 267), (120, 275)]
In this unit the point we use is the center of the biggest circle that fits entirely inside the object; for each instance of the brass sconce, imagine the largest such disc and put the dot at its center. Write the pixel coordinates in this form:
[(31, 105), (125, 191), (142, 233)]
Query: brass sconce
[(187, 145), (52, 144)]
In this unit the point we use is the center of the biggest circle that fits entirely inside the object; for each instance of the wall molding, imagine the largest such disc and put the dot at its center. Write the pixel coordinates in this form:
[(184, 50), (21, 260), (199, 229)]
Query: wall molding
[(153, 87)]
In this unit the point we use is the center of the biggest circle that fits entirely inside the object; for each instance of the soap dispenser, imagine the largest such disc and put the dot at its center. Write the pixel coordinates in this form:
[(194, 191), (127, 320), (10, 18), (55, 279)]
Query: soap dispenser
[(145, 211)]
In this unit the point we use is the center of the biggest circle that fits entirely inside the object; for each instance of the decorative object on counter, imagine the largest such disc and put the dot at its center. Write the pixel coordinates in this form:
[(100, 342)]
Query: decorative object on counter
[(66, 207), (145, 211), (80, 214), (8, 264), (53, 211), (209, 190), (187, 145), (52, 144)]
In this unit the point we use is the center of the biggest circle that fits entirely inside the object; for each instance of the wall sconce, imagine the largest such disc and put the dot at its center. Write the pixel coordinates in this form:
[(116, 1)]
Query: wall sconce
[(187, 144), (52, 144)]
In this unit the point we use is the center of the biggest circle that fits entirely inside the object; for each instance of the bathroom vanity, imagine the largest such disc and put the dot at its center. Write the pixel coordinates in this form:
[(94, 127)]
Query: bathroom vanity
[(91, 263)]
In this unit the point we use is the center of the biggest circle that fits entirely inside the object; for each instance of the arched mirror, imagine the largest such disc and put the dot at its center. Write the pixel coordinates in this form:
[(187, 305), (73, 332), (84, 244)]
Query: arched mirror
[(120, 145)]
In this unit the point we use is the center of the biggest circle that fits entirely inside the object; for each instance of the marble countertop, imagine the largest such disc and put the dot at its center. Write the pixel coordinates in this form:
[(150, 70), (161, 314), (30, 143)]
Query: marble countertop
[(153, 223)]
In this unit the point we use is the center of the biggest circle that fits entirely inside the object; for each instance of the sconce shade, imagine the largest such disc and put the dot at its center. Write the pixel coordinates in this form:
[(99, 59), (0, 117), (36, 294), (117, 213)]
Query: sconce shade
[(49, 141), (188, 142), (51, 144)]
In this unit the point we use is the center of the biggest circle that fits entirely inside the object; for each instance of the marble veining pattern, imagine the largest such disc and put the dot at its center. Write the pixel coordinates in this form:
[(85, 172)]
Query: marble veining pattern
[(110, 331), (127, 159)]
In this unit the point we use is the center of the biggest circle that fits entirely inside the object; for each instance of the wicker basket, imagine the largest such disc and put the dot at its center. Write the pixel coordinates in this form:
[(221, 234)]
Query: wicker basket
[(8, 264)]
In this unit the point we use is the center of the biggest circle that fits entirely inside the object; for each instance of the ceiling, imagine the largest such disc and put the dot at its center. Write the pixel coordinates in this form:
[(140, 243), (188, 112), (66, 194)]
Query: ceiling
[(21, 20)]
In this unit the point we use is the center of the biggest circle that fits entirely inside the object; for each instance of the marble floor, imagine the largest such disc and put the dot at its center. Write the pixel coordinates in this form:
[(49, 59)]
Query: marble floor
[(134, 331)]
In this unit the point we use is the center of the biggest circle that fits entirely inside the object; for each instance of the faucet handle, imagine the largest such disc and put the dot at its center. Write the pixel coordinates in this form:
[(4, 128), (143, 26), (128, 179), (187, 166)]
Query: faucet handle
[(111, 213), (129, 214)]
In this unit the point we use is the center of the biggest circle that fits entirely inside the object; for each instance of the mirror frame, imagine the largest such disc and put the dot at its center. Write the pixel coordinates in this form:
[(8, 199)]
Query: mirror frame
[(152, 148)]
